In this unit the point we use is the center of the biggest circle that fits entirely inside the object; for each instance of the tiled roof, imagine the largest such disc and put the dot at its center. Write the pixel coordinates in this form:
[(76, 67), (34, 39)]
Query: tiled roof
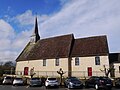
[(48, 48), (65, 46), (90, 46)]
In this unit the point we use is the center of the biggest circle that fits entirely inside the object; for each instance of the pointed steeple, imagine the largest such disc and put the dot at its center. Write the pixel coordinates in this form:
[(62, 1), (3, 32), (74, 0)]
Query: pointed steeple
[(35, 36), (36, 26)]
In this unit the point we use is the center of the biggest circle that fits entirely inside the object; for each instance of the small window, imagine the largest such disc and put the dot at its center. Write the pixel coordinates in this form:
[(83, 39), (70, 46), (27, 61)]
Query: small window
[(76, 61), (97, 60), (44, 62), (32, 39), (57, 62)]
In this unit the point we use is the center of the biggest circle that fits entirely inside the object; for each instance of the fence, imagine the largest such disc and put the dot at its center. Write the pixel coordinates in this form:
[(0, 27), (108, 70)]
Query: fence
[(81, 74)]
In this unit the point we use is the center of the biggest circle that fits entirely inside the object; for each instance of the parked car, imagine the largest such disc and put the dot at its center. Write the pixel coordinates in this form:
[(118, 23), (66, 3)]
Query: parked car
[(35, 82), (99, 82), (7, 80), (18, 81), (51, 82), (73, 82), (117, 83)]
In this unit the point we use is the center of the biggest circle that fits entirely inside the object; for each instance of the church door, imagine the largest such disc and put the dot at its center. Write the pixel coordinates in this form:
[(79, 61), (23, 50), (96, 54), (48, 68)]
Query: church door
[(26, 70), (89, 71)]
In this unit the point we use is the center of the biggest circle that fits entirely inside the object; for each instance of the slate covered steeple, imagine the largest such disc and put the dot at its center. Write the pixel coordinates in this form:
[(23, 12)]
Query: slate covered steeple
[(35, 36)]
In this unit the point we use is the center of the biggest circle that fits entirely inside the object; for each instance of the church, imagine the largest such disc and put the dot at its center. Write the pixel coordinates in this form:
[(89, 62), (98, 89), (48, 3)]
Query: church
[(80, 57)]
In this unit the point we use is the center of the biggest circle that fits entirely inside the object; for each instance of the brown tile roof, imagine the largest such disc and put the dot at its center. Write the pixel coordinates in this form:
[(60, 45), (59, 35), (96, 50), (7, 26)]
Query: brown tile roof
[(55, 47), (65, 46), (90, 46)]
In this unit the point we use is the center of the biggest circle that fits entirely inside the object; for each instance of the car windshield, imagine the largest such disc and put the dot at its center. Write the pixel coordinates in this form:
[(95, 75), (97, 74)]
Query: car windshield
[(35, 79), (104, 78), (95, 78), (8, 77), (51, 78), (74, 79), (18, 78)]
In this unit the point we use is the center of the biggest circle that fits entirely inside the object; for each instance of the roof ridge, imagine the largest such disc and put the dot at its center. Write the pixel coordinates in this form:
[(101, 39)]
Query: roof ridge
[(58, 36), (91, 37)]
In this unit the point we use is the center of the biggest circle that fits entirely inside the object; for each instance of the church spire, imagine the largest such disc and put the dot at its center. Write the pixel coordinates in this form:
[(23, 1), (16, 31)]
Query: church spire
[(35, 36), (36, 26)]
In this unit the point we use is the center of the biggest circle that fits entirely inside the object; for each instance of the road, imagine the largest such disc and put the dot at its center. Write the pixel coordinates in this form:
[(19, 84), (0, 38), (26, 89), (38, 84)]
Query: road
[(9, 87)]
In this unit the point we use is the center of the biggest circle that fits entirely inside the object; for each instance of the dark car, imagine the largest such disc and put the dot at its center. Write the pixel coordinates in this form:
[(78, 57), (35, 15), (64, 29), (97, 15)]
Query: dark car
[(117, 83), (99, 82), (73, 82), (35, 82), (7, 80)]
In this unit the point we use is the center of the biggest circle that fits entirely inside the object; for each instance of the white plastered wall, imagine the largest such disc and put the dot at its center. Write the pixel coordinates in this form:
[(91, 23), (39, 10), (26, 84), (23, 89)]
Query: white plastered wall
[(85, 62), (49, 70)]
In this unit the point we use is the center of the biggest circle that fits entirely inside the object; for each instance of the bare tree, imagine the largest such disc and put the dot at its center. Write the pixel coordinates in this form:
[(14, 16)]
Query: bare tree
[(32, 73), (61, 73), (107, 71), (7, 67)]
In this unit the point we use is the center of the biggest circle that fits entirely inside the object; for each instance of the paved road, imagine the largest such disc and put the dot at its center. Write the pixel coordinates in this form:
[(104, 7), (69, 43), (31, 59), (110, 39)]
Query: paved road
[(9, 87)]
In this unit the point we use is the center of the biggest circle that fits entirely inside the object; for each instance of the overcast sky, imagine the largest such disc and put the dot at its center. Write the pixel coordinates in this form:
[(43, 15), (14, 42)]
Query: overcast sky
[(83, 18)]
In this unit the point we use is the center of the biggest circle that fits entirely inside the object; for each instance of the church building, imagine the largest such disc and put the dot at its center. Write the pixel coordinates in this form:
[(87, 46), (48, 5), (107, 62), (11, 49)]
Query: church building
[(80, 57)]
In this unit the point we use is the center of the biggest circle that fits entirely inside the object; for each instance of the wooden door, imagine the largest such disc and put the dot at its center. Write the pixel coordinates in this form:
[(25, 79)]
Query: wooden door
[(89, 71), (26, 70)]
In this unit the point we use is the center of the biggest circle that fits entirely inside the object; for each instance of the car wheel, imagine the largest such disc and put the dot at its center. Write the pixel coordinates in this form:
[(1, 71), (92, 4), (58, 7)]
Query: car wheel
[(46, 87), (96, 87), (86, 85), (29, 85), (109, 88), (65, 85)]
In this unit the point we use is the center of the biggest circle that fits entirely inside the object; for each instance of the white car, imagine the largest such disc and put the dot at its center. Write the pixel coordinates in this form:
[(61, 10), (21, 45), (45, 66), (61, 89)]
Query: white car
[(18, 81), (51, 82)]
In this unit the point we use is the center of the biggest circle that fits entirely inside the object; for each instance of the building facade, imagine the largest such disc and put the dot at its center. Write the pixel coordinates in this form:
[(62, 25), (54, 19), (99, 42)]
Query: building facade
[(115, 63), (80, 57)]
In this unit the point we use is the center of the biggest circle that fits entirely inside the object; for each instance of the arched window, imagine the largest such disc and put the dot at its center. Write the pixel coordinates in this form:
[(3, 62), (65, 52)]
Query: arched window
[(77, 62)]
